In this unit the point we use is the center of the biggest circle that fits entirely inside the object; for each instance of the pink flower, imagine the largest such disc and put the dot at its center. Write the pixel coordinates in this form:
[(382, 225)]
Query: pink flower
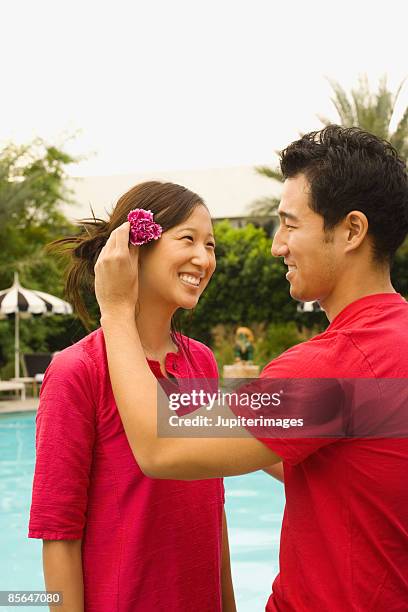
[(142, 227)]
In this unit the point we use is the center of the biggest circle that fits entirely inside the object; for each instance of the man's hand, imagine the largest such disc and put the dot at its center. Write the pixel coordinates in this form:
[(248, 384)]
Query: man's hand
[(116, 274)]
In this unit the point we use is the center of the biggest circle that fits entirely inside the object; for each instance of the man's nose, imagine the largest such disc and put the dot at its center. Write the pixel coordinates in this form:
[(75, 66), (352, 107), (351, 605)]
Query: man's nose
[(278, 248)]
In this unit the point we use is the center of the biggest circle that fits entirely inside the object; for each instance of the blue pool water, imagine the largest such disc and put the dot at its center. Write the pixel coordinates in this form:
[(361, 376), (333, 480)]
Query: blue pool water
[(254, 508)]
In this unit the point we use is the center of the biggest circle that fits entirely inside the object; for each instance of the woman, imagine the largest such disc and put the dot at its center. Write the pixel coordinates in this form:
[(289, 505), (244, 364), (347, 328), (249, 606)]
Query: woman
[(114, 539)]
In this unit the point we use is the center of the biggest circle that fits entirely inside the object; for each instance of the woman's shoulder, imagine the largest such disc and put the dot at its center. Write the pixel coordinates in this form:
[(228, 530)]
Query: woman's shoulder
[(75, 376), (84, 356), (195, 345)]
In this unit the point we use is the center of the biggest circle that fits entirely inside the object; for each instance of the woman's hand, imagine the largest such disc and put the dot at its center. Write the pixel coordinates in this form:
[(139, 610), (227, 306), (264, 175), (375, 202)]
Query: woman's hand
[(116, 274)]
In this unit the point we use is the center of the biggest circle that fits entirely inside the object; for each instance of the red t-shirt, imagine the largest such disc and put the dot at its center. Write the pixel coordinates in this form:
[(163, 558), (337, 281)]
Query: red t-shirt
[(344, 540), (147, 544)]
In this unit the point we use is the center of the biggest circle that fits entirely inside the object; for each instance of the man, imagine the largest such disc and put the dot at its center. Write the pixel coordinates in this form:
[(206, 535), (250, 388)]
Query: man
[(343, 214)]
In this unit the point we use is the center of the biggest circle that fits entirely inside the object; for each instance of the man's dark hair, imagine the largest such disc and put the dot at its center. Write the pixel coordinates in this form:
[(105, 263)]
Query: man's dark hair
[(350, 169)]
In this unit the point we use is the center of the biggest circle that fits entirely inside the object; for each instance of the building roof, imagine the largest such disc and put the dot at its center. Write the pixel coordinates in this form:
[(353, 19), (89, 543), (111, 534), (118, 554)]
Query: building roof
[(228, 192)]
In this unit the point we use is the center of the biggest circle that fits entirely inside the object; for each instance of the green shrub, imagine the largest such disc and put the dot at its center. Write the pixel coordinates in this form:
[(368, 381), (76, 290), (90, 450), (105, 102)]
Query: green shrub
[(277, 338)]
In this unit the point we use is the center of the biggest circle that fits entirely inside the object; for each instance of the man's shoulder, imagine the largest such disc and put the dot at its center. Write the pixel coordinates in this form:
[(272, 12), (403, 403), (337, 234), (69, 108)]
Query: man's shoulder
[(319, 357)]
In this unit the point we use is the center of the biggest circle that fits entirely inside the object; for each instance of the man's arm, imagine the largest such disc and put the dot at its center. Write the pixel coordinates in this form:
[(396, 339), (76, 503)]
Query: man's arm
[(62, 562)]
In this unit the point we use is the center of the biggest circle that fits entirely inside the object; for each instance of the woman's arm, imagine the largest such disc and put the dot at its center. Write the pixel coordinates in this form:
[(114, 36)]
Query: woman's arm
[(228, 599), (276, 471), (62, 561), (136, 391)]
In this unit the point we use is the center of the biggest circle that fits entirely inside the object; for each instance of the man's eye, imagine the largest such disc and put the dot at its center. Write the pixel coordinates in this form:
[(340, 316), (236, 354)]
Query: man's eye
[(290, 226)]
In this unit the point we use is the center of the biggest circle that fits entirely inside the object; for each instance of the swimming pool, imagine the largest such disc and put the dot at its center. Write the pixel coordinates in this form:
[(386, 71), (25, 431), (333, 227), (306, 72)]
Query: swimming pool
[(254, 506)]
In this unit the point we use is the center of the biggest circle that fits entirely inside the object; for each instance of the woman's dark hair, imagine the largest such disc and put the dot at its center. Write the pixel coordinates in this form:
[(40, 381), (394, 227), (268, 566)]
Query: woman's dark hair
[(350, 169), (171, 204)]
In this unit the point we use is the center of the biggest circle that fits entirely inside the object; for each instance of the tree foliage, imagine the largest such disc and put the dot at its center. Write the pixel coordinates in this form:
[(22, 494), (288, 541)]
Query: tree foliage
[(32, 188)]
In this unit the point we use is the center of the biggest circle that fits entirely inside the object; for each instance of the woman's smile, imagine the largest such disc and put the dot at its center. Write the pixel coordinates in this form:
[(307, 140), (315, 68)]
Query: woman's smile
[(192, 280)]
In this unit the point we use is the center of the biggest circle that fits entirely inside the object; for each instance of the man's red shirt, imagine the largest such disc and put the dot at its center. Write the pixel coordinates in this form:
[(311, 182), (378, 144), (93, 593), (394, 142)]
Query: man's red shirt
[(344, 540)]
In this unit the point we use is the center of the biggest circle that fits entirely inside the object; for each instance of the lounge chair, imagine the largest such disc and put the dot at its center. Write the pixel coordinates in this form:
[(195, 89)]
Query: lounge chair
[(11, 385)]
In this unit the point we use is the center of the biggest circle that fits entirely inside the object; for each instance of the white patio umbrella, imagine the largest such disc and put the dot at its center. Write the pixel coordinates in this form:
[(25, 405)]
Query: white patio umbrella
[(25, 303)]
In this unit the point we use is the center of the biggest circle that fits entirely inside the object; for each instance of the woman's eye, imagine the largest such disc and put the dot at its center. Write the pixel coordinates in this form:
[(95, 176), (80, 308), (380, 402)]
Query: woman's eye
[(188, 238), (211, 244)]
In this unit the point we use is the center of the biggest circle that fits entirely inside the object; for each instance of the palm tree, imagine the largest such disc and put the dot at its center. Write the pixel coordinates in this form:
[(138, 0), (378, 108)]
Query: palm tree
[(370, 111)]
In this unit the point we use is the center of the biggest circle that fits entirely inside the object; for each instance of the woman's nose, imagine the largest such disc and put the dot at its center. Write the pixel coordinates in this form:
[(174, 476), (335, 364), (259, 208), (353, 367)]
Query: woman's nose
[(201, 258)]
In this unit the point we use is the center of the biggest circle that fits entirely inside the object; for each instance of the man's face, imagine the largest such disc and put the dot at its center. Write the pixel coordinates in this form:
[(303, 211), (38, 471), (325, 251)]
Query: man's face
[(310, 254)]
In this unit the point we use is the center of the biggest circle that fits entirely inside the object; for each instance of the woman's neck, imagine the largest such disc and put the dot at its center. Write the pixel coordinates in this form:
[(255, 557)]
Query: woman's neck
[(154, 327)]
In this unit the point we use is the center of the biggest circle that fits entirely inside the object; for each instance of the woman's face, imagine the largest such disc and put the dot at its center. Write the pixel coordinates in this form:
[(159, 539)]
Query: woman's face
[(178, 267)]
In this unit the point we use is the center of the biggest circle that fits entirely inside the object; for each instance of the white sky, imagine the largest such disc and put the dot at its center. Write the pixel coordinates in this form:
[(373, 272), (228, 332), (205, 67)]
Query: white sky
[(178, 84)]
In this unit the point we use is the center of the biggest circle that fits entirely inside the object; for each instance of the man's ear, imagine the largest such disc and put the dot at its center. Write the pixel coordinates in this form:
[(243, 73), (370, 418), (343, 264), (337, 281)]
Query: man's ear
[(356, 228)]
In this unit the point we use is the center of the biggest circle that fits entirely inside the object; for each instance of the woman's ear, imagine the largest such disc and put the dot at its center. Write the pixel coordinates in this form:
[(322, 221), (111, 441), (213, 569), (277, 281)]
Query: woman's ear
[(356, 226)]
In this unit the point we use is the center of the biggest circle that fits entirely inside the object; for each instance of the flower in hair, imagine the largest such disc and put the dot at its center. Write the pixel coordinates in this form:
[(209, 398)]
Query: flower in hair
[(142, 227)]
